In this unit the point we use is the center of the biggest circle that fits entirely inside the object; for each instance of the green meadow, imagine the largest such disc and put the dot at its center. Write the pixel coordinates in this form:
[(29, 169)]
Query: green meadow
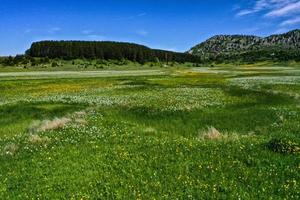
[(223, 132)]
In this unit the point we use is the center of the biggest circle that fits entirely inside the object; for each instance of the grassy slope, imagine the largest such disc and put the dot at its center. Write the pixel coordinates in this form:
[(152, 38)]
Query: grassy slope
[(143, 141)]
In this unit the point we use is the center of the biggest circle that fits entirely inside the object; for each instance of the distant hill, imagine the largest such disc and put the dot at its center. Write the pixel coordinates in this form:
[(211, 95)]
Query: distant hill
[(281, 46), (105, 50)]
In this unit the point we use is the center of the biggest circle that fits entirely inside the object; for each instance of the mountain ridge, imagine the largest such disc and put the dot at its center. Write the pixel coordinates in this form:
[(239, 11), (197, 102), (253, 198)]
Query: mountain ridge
[(224, 45)]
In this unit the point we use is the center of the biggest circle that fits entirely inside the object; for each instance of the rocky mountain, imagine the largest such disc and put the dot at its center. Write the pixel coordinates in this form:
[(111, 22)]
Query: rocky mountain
[(228, 45)]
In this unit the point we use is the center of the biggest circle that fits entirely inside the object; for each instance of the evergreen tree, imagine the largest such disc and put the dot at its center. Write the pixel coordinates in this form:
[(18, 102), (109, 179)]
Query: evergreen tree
[(105, 50)]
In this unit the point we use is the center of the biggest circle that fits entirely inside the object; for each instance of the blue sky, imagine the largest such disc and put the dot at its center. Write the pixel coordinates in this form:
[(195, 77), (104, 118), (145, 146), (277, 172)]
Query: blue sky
[(167, 24)]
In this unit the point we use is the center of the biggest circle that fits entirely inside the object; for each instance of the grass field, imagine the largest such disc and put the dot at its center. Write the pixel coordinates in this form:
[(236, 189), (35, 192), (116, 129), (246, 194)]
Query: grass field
[(226, 132)]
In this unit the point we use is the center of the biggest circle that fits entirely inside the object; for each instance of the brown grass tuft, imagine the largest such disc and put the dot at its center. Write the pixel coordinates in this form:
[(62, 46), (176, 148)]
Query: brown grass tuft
[(10, 149), (47, 125), (211, 134), (36, 139), (39, 126), (54, 124)]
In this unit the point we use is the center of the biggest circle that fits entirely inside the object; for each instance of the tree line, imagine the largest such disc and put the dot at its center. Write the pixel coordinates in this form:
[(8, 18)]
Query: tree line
[(274, 54), (106, 51), (46, 52)]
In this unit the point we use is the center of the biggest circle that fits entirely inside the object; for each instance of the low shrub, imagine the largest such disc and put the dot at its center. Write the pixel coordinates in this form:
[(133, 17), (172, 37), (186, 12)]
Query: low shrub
[(283, 146)]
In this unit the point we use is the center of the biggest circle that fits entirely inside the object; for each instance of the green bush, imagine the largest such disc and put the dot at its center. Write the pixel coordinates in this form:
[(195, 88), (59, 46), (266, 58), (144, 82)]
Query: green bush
[(283, 146), (54, 64)]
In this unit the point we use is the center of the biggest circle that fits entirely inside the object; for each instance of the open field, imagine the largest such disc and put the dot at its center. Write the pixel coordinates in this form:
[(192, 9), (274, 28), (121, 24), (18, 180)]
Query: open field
[(77, 74), (169, 133)]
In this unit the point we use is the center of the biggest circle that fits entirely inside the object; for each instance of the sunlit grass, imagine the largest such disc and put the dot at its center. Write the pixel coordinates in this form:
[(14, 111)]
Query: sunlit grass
[(185, 134)]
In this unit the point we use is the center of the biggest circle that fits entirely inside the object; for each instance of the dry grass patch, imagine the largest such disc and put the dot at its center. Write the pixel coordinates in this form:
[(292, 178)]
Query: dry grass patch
[(211, 134), (47, 125), (10, 149), (77, 118), (80, 121), (36, 139)]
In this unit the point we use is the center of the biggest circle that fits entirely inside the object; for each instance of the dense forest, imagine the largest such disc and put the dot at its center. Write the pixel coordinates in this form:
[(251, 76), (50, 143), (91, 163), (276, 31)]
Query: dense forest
[(106, 51)]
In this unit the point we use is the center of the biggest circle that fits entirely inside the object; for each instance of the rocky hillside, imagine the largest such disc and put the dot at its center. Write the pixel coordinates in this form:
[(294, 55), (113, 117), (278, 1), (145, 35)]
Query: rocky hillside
[(225, 45)]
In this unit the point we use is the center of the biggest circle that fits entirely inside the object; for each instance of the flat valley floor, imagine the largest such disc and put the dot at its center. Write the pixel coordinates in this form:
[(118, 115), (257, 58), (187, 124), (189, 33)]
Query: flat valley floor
[(169, 133)]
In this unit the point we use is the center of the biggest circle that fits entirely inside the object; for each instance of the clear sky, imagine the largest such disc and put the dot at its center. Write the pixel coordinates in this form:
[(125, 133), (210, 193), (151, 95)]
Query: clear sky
[(167, 24)]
